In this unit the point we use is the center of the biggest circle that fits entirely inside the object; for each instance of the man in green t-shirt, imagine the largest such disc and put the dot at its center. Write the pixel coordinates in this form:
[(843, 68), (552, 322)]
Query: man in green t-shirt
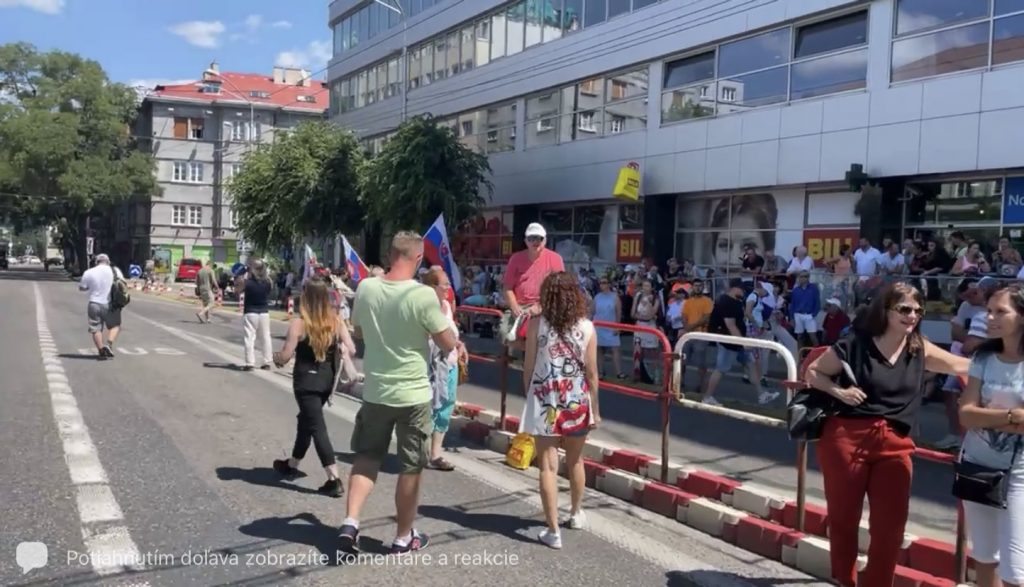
[(206, 289), (394, 315)]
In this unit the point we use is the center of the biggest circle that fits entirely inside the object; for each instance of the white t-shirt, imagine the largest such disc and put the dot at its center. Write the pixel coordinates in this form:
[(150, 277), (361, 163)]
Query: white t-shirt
[(967, 312), (867, 261), (1002, 388), (796, 265), (979, 325), (674, 315), (890, 263), (98, 281)]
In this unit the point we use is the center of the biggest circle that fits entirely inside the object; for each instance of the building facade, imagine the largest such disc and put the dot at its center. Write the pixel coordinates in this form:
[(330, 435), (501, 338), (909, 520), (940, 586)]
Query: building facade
[(745, 117), (199, 134)]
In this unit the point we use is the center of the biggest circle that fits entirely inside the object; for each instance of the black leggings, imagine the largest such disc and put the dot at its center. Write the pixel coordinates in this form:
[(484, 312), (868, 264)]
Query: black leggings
[(311, 426)]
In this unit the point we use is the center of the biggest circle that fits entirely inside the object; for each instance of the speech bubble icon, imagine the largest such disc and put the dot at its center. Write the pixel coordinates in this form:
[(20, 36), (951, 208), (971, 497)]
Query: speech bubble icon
[(31, 555)]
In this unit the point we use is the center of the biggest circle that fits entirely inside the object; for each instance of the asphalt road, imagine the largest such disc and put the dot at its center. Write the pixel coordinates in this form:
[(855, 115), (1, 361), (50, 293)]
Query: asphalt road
[(160, 459)]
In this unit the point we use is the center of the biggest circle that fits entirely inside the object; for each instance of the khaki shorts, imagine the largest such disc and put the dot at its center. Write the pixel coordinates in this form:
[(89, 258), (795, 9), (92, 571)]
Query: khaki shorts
[(207, 298), (101, 316), (411, 424)]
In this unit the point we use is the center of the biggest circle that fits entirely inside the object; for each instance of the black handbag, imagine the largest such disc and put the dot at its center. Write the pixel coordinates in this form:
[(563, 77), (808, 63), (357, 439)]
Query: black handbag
[(809, 408)]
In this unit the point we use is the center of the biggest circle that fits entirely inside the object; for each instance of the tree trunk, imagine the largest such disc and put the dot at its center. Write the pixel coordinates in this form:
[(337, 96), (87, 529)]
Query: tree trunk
[(81, 224)]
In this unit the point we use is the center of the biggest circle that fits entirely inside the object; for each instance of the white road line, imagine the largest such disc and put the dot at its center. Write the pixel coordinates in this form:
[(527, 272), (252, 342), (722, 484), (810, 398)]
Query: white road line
[(109, 545), (609, 530)]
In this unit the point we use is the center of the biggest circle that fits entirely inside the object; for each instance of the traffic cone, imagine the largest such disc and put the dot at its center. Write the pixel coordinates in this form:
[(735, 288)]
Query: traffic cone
[(241, 302), (220, 299), (181, 291), (291, 307)]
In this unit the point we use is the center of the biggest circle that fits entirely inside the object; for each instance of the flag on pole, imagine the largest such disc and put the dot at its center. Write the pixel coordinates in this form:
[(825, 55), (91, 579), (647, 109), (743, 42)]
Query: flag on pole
[(438, 251), (310, 267), (356, 268)]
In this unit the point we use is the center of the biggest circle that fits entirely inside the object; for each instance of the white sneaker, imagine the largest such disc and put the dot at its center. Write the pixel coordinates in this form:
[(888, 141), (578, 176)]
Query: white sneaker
[(948, 442), (577, 521), (549, 538), (767, 397), (711, 401)]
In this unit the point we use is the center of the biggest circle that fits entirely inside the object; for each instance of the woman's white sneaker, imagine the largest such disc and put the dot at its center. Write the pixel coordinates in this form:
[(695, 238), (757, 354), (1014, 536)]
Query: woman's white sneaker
[(577, 521), (549, 538)]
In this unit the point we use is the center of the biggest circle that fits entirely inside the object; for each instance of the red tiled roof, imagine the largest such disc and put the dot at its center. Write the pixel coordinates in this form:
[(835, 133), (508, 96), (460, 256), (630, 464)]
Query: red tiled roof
[(236, 87)]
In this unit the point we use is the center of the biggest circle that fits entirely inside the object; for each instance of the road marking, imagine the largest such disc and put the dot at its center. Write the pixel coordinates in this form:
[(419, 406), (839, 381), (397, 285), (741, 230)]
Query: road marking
[(663, 555), (138, 351), (111, 549)]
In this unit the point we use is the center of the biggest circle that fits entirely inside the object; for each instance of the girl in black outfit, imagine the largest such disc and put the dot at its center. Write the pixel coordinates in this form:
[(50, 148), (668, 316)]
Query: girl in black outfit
[(314, 340)]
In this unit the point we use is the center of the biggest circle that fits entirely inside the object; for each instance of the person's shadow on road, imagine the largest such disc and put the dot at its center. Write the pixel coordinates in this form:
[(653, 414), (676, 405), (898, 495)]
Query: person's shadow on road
[(306, 528), (265, 476), (88, 357), (513, 527), (227, 366)]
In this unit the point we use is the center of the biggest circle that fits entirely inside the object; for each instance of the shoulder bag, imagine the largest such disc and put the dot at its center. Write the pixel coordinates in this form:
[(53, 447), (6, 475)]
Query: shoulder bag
[(809, 408), (979, 483)]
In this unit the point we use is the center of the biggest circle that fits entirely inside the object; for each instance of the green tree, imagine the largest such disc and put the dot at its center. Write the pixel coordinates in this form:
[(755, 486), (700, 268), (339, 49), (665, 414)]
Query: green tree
[(66, 149), (303, 185), (421, 172)]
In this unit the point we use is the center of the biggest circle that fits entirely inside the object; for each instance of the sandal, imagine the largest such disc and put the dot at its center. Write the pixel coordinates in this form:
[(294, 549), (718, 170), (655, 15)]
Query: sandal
[(440, 464)]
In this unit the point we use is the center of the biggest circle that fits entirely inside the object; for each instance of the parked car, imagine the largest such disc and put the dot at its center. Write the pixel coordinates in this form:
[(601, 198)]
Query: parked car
[(188, 269)]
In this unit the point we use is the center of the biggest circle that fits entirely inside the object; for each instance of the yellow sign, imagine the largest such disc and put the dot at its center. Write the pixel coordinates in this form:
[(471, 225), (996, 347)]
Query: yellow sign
[(627, 186), (506, 247)]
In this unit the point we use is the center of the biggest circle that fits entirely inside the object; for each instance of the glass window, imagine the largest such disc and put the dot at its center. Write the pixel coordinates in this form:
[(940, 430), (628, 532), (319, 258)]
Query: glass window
[(572, 16), (1008, 6), (542, 105), (942, 52), (353, 31), (751, 54), (382, 81), (551, 20), (916, 15), (533, 20), (371, 87), (617, 7), (627, 85), (838, 33), (415, 72), (427, 60), (364, 25), (346, 33), (503, 115), (482, 55), (541, 132), (336, 33), (588, 219), (689, 70), (343, 94), (516, 21), (638, 4), (596, 11), (557, 220), (626, 116), (468, 45), (631, 217), (374, 15), (453, 53), (427, 4), (498, 33), (589, 124), (754, 89), (500, 140), (440, 53), (828, 75), (415, 7), (1008, 40), (685, 104), (361, 90)]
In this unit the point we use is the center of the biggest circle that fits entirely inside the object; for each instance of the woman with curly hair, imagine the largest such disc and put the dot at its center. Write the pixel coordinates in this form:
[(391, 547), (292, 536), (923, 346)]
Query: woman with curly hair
[(561, 376)]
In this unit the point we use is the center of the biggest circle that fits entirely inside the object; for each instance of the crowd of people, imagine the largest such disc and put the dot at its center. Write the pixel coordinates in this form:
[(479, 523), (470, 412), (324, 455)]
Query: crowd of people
[(873, 370)]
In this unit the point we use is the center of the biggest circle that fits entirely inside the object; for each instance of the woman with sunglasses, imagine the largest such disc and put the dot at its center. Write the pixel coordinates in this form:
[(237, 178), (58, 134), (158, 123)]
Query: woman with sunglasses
[(866, 446)]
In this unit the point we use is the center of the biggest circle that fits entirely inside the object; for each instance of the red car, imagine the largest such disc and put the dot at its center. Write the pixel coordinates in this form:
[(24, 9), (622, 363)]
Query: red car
[(188, 269)]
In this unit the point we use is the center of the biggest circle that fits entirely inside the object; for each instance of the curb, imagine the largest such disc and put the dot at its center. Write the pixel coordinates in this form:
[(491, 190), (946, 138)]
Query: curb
[(753, 518)]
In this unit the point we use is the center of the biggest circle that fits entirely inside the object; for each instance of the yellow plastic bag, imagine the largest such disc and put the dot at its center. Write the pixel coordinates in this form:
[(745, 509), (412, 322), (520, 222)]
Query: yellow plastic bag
[(521, 451), (627, 186)]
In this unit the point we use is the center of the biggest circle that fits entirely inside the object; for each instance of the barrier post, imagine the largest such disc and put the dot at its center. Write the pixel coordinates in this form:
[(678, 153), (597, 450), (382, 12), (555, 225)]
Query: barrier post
[(241, 303), (291, 307), (961, 544), (670, 359), (503, 374)]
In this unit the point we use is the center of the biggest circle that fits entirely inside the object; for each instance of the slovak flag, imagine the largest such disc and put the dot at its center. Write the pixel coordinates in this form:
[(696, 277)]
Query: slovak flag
[(356, 268), (438, 251), (308, 270)]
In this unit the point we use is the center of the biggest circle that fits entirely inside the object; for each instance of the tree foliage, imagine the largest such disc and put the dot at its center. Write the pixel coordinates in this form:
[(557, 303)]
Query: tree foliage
[(421, 172), (304, 184), (66, 149)]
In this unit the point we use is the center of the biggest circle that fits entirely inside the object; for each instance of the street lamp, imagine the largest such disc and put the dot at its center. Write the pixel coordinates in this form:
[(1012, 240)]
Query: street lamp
[(405, 51)]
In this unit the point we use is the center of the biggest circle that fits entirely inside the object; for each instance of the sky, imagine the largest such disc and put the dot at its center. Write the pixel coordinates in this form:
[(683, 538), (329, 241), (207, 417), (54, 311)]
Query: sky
[(149, 42)]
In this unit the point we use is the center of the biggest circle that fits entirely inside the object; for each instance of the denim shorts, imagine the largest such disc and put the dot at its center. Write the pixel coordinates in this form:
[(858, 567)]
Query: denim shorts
[(727, 358)]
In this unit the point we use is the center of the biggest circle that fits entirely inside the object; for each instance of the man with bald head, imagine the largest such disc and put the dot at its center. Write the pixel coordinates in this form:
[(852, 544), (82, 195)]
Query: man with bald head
[(98, 282)]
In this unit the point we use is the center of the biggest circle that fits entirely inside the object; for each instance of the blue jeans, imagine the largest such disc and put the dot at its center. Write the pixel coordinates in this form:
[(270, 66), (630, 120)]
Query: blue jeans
[(727, 358)]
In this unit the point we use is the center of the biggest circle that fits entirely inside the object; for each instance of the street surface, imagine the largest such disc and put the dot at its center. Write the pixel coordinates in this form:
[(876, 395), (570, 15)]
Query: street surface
[(154, 469)]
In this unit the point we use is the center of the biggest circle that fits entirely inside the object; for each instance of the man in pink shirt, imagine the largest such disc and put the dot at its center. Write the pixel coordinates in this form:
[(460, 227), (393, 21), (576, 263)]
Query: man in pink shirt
[(526, 272)]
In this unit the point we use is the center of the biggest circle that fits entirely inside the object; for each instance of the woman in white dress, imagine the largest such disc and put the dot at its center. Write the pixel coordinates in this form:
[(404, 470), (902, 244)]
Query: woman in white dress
[(561, 394)]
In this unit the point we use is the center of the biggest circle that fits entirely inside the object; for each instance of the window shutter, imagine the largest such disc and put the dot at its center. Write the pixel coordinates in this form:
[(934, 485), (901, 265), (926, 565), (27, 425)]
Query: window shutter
[(181, 128)]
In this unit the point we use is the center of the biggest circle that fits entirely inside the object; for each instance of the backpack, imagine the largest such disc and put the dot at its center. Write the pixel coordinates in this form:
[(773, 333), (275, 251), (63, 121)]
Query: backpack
[(119, 296)]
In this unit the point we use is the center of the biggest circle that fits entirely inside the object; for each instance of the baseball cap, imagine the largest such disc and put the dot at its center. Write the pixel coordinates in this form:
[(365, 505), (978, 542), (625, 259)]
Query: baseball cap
[(833, 302), (535, 229), (988, 283)]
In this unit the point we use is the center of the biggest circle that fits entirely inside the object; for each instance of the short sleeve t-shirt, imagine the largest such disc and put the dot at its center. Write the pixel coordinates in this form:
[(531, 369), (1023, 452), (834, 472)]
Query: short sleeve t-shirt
[(1002, 388), (967, 312), (867, 261), (890, 263), (727, 307), (524, 277), (695, 309), (798, 265), (395, 318), (98, 281), (979, 325)]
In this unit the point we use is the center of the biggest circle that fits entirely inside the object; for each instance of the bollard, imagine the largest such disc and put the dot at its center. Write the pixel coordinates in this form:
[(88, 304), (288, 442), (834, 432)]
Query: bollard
[(181, 291), (291, 307), (241, 302)]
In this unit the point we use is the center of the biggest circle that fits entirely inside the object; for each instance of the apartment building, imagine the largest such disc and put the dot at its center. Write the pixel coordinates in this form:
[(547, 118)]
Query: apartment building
[(199, 134), (747, 118)]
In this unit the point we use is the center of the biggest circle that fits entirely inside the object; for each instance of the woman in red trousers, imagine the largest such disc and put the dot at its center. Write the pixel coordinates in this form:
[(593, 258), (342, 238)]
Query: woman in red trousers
[(865, 447)]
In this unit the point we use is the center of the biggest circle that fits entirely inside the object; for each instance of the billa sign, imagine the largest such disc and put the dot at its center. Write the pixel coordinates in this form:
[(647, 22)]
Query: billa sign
[(824, 243), (506, 247), (627, 186), (630, 247)]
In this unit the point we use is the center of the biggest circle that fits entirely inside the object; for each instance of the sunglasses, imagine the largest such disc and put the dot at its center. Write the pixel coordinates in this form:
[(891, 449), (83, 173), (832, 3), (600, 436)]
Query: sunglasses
[(904, 310), (534, 239)]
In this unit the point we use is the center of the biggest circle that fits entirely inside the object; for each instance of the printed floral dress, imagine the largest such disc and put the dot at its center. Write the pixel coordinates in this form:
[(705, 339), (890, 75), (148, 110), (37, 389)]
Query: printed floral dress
[(558, 397)]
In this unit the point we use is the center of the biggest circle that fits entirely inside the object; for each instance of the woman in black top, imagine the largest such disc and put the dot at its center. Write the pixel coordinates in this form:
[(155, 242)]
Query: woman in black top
[(866, 446), (314, 340), (256, 287)]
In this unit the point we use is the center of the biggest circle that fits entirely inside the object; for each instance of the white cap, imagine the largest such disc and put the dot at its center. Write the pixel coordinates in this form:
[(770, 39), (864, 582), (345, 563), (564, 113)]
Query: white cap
[(535, 229), (833, 301)]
